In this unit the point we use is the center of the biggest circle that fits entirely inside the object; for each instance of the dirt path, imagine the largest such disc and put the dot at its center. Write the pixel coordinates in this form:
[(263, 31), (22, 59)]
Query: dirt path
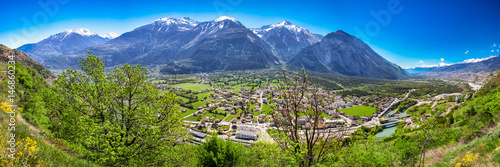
[(34, 131)]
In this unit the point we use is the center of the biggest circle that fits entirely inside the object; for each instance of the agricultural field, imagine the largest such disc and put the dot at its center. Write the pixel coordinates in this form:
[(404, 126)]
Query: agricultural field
[(203, 95), (360, 110), (192, 86)]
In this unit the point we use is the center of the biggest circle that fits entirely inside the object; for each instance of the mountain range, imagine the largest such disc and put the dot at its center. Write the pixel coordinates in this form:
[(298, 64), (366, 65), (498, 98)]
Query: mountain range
[(467, 70), (183, 45), (64, 43)]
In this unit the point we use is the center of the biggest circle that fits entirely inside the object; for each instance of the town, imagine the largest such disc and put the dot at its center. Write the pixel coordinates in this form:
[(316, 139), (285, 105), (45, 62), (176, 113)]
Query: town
[(244, 114)]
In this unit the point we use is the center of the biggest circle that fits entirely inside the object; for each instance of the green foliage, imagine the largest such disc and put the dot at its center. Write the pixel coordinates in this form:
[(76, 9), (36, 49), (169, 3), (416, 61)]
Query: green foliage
[(369, 152), (118, 116), (218, 153), (265, 154), (403, 105)]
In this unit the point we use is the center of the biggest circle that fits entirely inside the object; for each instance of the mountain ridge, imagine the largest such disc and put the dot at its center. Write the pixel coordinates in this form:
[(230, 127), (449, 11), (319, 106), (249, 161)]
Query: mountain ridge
[(64, 43), (286, 39), (340, 52)]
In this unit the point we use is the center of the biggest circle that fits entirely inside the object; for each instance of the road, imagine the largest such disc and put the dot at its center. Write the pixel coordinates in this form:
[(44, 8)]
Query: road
[(260, 98)]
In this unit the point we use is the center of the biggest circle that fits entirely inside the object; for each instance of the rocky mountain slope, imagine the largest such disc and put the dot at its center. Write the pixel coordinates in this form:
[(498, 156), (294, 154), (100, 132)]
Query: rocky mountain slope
[(286, 39), (339, 52)]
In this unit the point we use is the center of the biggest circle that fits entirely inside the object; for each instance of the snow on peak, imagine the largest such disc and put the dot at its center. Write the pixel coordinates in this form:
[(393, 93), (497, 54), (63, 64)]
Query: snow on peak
[(222, 18), (286, 24), (81, 31), (171, 20), (442, 64), (110, 35), (185, 23), (475, 60)]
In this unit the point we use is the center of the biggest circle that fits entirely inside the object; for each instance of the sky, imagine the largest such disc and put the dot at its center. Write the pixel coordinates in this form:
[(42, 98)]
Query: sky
[(406, 32)]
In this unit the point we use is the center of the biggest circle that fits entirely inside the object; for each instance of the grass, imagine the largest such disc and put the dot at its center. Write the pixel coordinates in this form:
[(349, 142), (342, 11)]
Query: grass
[(265, 108), (230, 117), (198, 104), (442, 107), (188, 111), (183, 99), (192, 86), (217, 116), (191, 118), (360, 110), (203, 95), (47, 155), (326, 115)]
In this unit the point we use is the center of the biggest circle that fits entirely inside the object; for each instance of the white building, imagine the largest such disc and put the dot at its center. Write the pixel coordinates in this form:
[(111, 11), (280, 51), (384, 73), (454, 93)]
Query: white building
[(246, 135), (247, 132)]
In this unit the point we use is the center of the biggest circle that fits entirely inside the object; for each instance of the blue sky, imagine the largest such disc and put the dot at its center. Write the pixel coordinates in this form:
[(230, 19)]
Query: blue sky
[(418, 32)]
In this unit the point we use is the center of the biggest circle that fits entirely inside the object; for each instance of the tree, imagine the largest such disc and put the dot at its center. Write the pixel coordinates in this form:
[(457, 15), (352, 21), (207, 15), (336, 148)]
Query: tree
[(217, 153), (310, 144), (118, 117)]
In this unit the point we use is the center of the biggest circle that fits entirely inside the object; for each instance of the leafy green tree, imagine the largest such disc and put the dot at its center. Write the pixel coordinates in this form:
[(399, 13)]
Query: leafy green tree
[(218, 153), (118, 117)]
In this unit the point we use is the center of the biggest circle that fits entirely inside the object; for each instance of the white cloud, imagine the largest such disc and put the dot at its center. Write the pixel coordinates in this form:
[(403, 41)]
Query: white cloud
[(498, 50), (420, 62), (494, 45), (467, 52), (442, 59), (492, 50)]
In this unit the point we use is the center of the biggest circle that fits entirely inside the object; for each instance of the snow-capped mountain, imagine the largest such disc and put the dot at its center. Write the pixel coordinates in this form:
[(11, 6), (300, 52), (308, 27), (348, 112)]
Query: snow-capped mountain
[(222, 18), (220, 44), (286, 39), (223, 44), (154, 43), (184, 23), (424, 68), (65, 42), (466, 69)]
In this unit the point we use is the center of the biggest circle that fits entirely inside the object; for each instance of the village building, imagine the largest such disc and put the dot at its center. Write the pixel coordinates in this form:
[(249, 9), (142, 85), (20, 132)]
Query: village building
[(246, 132)]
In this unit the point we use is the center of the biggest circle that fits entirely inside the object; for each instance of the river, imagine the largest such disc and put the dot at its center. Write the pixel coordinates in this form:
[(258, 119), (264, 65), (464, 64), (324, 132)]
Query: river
[(386, 132)]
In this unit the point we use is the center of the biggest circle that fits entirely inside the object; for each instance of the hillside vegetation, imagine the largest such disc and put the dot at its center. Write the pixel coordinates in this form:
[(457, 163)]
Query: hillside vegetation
[(119, 119)]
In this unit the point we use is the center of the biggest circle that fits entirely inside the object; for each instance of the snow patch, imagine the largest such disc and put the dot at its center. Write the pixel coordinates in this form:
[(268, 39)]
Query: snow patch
[(184, 23), (442, 64), (222, 18), (81, 31), (110, 35), (475, 60)]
